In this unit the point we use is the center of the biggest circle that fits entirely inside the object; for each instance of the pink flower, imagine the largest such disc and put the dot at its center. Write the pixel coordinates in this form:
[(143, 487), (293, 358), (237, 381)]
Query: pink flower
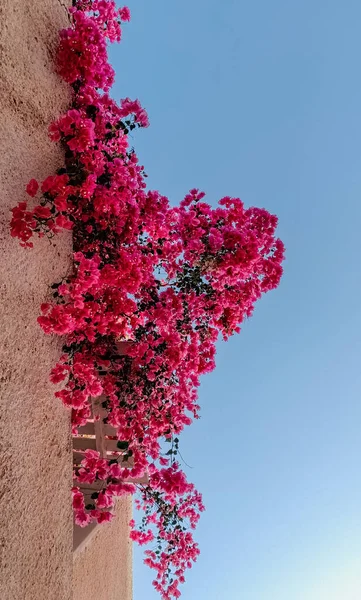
[(82, 519), (105, 517), (78, 499), (124, 14), (104, 500), (88, 186), (59, 373), (63, 222), (54, 132), (32, 188), (151, 290), (42, 212)]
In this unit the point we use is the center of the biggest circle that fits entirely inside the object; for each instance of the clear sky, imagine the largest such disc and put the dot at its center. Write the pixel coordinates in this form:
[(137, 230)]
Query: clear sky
[(262, 100)]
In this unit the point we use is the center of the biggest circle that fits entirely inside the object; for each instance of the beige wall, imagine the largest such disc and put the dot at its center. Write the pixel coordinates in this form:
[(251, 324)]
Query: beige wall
[(36, 557), (35, 444), (103, 567)]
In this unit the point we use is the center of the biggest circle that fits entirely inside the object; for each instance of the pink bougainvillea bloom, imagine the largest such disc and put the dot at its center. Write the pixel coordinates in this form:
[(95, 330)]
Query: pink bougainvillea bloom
[(124, 14), (42, 212), (82, 519), (32, 188), (152, 289), (105, 517), (63, 222)]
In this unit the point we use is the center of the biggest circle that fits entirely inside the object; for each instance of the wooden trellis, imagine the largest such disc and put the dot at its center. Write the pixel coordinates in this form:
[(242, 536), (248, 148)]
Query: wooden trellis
[(97, 435)]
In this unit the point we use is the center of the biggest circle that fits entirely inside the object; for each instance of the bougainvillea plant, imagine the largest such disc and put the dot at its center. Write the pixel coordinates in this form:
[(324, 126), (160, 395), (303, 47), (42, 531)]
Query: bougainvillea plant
[(169, 280)]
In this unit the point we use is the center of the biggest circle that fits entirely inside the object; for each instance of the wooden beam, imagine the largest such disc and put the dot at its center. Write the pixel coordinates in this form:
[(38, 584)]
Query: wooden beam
[(83, 443)]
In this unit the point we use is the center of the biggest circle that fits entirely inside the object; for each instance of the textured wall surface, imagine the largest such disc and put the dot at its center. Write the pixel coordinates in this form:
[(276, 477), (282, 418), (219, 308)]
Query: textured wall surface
[(36, 546), (102, 570), (35, 453)]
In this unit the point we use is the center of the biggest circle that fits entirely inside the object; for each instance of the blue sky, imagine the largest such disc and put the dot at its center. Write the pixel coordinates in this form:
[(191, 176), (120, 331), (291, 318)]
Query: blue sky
[(262, 100)]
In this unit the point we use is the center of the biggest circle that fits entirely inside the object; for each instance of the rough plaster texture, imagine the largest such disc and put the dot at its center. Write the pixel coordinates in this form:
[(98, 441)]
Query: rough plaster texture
[(102, 570), (36, 551), (35, 443)]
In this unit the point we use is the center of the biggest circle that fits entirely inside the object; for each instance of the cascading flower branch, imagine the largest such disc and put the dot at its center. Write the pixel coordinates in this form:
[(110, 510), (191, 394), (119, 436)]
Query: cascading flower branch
[(168, 280)]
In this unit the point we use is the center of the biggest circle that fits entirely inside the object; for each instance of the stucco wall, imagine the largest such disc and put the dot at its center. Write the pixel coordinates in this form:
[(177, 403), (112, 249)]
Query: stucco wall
[(35, 452), (36, 550), (103, 569)]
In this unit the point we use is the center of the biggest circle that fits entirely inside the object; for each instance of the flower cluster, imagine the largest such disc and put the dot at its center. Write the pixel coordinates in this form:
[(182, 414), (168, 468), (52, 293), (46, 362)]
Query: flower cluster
[(167, 281)]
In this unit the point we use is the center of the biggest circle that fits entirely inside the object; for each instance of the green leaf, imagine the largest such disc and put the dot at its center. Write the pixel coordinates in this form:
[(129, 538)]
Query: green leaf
[(122, 445)]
